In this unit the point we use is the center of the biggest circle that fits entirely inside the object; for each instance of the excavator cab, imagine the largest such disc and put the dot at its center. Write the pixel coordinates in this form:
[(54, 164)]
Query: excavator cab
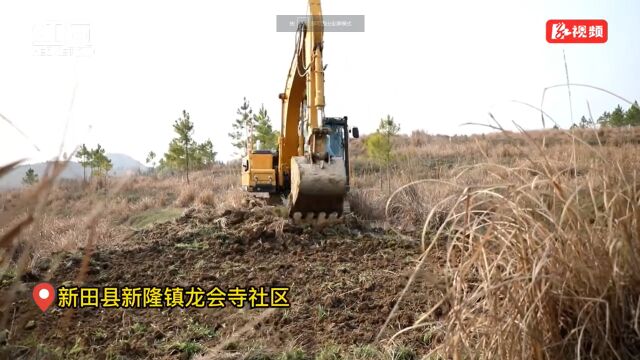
[(338, 140)]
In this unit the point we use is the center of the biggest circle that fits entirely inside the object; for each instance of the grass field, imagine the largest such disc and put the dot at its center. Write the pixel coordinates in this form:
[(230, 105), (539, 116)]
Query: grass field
[(497, 246)]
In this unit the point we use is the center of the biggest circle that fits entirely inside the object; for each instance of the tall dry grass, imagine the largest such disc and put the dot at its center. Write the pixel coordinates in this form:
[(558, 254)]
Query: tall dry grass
[(438, 157), (542, 252)]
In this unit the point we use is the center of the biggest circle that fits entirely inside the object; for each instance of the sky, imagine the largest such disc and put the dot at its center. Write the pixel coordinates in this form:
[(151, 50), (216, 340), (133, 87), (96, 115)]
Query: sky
[(431, 65)]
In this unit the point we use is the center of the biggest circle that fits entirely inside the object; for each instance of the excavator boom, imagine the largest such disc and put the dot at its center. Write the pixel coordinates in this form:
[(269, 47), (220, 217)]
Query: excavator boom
[(312, 161), (318, 179)]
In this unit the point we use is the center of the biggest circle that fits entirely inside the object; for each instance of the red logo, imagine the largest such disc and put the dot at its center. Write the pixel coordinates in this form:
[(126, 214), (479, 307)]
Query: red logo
[(577, 31)]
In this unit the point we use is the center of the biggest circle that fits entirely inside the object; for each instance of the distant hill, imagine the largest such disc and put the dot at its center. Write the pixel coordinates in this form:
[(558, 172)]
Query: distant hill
[(122, 164)]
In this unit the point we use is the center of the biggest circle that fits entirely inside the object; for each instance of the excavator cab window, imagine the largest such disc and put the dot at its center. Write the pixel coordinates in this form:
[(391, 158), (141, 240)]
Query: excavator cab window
[(337, 136), (336, 141)]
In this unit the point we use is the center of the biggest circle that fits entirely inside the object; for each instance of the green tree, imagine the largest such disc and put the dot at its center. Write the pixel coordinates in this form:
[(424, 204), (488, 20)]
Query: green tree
[(586, 123), (620, 117), (617, 117), (84, 158), (176, 156), (184, 128), (106, 165), (264, 132), (150, 160), (162, 164), (204, 156), (96, 156), (379, 144), (604, 119), (632, 116), (182, 147), (243, 128), (100, 163), (30, 177)]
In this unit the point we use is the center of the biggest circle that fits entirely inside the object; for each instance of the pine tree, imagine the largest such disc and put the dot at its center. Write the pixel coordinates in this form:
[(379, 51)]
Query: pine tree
[(150, 160), (182, 147), (603, 120), (106, 165), (100, 164), (97, 160), (204, 155), (617, 117), (586, 123), (30, 177), (632, 116), (264, 132), (84, 158), (162, 164), (243, 127), (379, 144)]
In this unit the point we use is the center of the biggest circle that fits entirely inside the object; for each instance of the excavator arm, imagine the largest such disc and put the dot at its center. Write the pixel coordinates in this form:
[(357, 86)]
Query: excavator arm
[(317, 180), (303, 99), (312, 161)]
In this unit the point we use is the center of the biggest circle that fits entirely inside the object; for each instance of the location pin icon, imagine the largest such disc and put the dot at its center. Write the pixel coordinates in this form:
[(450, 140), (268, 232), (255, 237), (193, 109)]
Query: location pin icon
[(43, 295)]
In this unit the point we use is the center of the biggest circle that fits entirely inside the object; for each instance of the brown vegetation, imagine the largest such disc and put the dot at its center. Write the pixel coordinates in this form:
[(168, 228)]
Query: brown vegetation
[(526, 245)]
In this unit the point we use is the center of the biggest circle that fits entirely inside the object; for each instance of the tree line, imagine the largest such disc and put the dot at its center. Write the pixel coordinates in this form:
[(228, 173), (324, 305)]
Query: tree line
[(255, 131), (249, 131), (94, 159), (184, 154), (252, 131), (616, 118)]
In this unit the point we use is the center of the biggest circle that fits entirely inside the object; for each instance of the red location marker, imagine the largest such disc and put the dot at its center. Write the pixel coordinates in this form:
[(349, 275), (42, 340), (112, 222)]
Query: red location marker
[(43, 295)]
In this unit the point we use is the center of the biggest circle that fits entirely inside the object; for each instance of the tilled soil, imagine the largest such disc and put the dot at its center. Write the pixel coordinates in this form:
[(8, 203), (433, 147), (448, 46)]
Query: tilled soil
[(344, 279)]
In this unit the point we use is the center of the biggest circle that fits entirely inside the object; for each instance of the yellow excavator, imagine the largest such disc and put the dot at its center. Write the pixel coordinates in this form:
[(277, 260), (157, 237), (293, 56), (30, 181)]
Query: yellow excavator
[(311, 166)]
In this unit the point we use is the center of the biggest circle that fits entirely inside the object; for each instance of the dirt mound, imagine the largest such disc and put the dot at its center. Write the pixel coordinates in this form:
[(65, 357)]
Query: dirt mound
[(344, 280)]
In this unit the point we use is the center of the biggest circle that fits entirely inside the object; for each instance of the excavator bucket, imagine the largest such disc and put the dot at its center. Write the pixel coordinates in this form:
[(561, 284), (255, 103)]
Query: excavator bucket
[(317, 189)]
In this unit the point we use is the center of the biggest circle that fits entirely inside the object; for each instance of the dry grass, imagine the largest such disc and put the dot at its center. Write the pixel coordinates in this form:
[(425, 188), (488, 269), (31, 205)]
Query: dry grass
[(19, 225), (437, 157), (70, 206), (540, 231), (187, 196), (542, 251), (54, 216), (206, 198)]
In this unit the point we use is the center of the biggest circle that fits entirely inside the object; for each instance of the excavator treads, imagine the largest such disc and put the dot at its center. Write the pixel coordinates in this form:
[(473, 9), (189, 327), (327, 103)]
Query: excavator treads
[(317, 189)]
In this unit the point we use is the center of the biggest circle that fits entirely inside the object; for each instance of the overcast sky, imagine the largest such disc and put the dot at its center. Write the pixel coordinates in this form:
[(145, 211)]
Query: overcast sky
[(432, 65)]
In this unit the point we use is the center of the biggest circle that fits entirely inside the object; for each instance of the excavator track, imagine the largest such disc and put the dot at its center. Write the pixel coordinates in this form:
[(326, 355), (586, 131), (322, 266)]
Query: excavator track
[(318, 190)]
